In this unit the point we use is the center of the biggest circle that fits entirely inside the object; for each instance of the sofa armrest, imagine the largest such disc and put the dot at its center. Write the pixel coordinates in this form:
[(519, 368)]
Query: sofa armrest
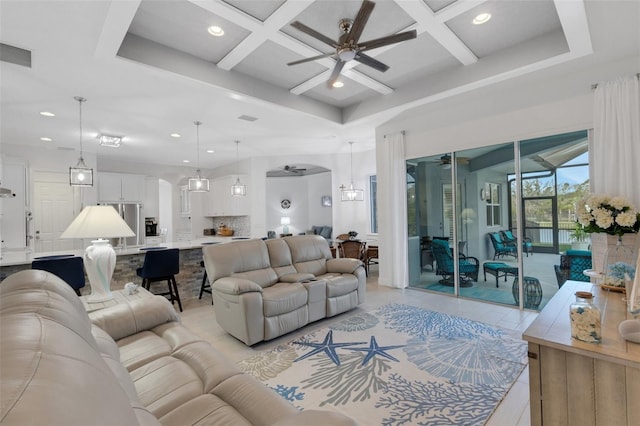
[(343, 265), (235, 286), (125, 319), (296, 277)]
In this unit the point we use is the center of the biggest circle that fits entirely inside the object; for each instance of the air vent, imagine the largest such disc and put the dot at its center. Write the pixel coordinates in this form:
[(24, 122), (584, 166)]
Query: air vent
[(247, 118), (15, 55)]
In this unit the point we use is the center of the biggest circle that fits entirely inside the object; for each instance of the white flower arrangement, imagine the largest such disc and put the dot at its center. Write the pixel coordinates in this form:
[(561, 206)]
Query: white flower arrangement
[(611, 215)]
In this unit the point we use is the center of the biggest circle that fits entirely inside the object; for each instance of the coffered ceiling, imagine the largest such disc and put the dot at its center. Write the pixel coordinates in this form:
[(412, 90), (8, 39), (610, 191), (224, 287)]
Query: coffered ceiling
[(150, 68)]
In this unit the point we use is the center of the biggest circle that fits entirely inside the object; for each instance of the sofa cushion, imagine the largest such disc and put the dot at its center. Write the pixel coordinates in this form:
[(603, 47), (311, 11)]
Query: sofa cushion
[(280, 257), (309, 253), (281, 298), (246, 259), (340, 284)]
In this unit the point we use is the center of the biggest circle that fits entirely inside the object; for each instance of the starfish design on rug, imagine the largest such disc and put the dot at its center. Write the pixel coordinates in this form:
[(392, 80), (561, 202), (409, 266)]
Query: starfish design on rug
[(374, 349), (327, 346)]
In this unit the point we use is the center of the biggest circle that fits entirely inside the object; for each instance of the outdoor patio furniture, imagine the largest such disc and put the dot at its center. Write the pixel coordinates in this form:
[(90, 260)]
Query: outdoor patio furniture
[(467, 266), (510, 239), (571, 266), (500, 247), (532, 291), (498, 270)]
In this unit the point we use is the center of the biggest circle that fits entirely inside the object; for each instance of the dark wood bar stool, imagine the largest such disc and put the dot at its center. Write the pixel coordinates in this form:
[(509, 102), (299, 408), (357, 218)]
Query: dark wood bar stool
[(205, 287)]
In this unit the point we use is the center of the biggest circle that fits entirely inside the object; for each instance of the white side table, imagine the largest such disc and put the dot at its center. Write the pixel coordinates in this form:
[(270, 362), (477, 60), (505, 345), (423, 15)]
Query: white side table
[(120, 296)]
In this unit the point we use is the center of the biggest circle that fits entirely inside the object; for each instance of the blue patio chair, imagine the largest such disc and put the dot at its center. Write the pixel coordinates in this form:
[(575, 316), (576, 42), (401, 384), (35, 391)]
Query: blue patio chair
[(467, 266), (571, 266), (501, 248), (510, 239)]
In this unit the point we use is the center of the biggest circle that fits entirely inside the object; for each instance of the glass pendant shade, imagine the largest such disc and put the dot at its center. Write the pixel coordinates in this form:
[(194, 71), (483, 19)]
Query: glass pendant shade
[(238, 189), (80, 175), (198, 183)]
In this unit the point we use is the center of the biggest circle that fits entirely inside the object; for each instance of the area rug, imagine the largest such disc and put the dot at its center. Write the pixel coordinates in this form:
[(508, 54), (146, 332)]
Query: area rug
[(397, 365)]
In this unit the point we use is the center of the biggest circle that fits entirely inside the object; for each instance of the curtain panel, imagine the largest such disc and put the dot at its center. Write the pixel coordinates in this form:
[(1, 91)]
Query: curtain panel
[(392, 238), (615, 154)]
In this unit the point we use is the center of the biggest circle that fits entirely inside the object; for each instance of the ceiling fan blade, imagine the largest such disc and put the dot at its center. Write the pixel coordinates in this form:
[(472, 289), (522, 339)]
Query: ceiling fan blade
[(384, 41), (335, 74), (313, 58), (361, 20), (373, 63), (313, 33)]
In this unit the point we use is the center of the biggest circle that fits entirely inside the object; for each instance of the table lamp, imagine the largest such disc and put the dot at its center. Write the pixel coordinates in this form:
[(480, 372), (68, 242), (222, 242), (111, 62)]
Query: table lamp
[(99, 222), (285, 221)]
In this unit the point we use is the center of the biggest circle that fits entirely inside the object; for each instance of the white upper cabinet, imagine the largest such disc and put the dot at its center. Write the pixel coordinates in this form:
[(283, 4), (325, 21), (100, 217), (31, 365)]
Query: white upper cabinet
[(120, 187), (151, 197), (222, 203)]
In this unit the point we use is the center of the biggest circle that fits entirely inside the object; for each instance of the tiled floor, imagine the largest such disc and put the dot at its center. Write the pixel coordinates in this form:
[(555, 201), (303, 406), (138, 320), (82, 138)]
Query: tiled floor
[(199, 316)]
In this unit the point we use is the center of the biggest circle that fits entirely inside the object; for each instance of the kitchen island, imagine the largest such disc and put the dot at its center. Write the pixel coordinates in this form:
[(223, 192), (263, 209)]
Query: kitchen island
[(128, 260)]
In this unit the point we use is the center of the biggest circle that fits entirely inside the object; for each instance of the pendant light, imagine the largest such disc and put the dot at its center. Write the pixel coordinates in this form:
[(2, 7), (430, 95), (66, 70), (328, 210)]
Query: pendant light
[(238, 189), (80, 175), (350, 193), (198, 183)]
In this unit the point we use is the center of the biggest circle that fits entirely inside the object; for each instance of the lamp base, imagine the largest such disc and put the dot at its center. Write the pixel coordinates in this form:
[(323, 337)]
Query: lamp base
[(100, 262), (630, 330)]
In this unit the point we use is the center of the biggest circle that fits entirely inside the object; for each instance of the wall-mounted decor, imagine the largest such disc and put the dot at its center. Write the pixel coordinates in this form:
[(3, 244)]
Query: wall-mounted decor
[(285, 204), (326, 201)]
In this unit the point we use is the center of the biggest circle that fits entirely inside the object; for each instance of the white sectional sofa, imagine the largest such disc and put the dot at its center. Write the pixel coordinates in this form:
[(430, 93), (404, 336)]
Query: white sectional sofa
[(263, 289), (131, 364)]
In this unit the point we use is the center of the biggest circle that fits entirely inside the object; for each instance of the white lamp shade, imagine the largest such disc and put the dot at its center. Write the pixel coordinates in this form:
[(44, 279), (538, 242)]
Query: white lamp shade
[(285, 220), (98, 222)]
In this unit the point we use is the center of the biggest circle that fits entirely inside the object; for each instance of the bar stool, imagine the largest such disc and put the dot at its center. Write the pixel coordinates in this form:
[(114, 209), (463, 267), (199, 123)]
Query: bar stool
[(68, 267), (162, 265), (205, 287)]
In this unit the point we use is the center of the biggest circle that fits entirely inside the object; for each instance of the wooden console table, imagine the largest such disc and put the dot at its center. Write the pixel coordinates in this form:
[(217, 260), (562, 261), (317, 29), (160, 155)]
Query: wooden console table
[(573, 382)]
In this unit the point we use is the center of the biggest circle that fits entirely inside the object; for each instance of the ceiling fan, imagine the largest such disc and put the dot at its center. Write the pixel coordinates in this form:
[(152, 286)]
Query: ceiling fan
[(347, 47), (445, 161), (293, 169)]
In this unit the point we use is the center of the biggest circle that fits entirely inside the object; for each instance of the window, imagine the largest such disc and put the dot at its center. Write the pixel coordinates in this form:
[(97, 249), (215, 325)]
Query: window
[(493, 203), (373, 214)]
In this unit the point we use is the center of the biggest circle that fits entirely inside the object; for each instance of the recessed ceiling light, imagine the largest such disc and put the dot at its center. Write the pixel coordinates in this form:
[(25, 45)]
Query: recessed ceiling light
[(176, 135), (338, 84), (216, 31), (47, 114), (185, 161), (46, 139), (481, 18), (210, 151)]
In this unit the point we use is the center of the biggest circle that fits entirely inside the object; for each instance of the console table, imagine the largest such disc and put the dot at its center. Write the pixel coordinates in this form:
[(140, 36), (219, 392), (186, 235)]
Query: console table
[(573, 382)]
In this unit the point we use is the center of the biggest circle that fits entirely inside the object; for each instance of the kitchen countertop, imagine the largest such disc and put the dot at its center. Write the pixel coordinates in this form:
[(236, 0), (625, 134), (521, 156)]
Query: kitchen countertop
[(11, 258)]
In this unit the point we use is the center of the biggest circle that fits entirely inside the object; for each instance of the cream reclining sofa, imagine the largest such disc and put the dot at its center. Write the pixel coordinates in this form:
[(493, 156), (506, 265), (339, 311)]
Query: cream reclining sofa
[(134, 365), (263, 289)]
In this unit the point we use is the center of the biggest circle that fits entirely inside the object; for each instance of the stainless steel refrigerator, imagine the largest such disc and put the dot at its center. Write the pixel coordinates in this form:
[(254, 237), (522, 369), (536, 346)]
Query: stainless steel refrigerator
[(133, 215)]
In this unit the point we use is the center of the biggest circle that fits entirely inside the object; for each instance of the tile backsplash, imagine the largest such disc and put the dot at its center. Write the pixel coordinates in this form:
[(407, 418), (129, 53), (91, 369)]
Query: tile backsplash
[(240, 224)]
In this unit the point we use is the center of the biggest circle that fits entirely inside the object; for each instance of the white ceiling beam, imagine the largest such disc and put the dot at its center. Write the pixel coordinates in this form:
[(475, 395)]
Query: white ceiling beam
[(427, 21), (116, 25), (456, 9), (573, 18)]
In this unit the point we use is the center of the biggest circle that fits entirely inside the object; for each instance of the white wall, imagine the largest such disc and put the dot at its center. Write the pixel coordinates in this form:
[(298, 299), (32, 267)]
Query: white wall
[(319, 185)]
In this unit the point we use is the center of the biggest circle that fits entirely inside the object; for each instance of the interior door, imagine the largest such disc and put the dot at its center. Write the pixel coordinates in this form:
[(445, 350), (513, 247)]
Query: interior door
[(52, 214)]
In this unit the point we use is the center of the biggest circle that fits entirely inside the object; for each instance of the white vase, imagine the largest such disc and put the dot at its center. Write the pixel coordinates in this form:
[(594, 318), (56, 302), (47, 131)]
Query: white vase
[(602, 243)]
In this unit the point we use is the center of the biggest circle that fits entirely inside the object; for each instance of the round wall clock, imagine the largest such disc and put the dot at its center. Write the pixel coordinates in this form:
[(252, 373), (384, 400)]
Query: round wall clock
[(285, 204)]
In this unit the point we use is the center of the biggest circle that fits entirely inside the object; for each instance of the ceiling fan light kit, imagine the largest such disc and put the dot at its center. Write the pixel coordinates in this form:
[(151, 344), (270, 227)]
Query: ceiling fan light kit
[(347, 47)]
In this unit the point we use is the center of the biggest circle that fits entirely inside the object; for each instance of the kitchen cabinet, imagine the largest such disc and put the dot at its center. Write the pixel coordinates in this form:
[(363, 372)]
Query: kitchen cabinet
[(120, 187), (185, 201), (220, 201), (577, 383), (151, 197)]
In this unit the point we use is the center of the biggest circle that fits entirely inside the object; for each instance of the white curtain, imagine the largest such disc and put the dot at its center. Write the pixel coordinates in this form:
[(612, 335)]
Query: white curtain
[(615, 152), (392, 219)]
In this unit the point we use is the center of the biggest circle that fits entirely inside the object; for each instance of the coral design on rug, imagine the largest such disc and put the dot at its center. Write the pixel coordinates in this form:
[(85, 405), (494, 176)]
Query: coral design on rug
[(397, 365)]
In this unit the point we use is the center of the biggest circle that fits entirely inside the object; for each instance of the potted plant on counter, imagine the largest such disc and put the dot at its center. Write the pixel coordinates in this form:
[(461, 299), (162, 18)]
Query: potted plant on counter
[(579, 238)]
